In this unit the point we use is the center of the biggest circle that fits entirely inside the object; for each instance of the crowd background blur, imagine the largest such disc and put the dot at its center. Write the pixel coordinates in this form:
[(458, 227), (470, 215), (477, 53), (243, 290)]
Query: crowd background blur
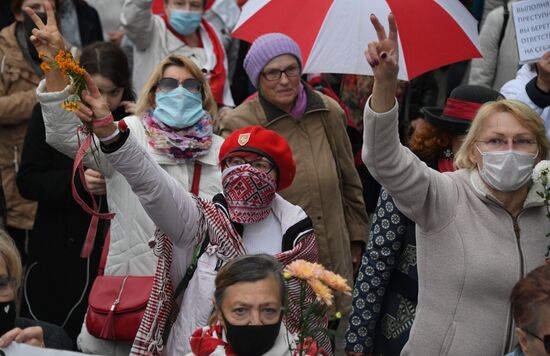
[(332, 184)]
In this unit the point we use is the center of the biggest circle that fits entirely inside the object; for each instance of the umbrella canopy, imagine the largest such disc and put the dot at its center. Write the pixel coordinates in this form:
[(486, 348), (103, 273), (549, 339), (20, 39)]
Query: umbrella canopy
[(333, 34)]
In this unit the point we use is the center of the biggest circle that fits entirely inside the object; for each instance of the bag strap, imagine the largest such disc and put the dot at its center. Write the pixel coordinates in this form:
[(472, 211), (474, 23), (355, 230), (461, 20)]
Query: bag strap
[(104, 253), (504, 23), (182, 286), (196, 178), (197, 253), (78, 167)]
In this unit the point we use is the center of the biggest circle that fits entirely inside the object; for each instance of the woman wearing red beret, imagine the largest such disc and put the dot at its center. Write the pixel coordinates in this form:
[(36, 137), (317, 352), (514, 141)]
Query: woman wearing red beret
[(247, 218)]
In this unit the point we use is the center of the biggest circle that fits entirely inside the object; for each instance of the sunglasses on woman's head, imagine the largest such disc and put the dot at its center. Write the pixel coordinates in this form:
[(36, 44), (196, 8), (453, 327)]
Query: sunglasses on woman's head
[(169, 84)]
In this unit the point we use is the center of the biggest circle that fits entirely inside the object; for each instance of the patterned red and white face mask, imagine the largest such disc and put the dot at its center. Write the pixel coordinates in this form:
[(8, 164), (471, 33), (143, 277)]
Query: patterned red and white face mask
[(249, 193)]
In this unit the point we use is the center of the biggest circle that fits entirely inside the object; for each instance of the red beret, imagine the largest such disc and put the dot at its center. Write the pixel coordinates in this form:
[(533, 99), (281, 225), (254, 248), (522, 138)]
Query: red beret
[(264, 142)]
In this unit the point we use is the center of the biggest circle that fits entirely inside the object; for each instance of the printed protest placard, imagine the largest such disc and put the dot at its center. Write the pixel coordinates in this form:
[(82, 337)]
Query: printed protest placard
[(532, 22)]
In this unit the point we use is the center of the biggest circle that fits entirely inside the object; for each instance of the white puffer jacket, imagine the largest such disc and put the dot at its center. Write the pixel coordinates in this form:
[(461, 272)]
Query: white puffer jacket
[(131, 229)]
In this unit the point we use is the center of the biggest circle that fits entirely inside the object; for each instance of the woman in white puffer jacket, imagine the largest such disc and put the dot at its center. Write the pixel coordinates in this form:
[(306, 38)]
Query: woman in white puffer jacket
[(177, 136)]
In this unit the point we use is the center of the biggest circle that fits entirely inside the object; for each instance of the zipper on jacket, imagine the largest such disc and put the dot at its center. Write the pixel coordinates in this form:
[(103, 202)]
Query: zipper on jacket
[(517, 233)]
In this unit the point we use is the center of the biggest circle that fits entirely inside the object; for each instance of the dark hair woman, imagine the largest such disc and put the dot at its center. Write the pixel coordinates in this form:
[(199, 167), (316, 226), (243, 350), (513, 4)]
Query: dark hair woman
[(108, 65)]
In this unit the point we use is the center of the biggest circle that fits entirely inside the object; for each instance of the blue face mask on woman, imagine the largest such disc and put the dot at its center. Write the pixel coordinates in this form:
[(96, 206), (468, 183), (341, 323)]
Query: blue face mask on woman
[(178, 108), (185, 22)]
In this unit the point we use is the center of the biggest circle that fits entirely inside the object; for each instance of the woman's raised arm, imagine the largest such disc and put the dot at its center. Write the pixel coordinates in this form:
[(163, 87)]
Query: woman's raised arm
[(421, 193), (383, 57)]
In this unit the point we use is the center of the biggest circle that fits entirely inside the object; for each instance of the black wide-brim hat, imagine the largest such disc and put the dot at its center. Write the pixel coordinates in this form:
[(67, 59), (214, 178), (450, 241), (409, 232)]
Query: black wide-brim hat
[(460, 108)]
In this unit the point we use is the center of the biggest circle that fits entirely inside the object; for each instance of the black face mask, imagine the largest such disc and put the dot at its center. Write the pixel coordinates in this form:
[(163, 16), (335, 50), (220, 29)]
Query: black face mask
[(251, 340), (28, 25), (7, 316)]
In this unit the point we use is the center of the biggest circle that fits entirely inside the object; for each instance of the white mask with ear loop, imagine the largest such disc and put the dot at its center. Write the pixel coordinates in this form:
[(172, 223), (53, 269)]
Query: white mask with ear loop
[(507, 171)]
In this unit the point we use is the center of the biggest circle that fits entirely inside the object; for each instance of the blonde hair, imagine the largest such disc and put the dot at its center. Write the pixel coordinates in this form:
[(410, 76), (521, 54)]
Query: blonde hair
[(523, 113), (11, 257), (147, 97)]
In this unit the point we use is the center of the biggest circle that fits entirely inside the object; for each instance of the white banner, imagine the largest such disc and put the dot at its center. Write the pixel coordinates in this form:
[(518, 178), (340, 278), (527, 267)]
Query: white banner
[(532, 22), (16, 349)]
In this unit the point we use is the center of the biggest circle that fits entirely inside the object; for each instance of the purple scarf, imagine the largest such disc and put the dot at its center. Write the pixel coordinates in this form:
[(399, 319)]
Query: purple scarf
[(301, 102)]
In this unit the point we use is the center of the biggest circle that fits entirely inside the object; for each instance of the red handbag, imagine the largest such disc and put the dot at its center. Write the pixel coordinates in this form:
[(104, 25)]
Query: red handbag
[(116, 305)]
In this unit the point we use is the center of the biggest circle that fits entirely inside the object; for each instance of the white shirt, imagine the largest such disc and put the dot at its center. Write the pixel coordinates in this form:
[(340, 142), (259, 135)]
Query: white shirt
[(263, 236)]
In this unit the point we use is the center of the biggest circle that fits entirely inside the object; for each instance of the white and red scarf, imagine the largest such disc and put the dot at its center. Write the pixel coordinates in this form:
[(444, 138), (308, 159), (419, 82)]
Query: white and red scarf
[(209, 341), (216, 225), (249, 193)]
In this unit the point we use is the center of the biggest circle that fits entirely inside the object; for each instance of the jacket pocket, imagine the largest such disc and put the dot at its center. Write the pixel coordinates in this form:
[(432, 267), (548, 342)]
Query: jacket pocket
[(448, 339)]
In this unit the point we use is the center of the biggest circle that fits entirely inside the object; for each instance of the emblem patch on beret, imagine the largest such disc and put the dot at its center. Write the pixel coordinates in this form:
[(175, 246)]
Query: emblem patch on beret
[(243, 138)]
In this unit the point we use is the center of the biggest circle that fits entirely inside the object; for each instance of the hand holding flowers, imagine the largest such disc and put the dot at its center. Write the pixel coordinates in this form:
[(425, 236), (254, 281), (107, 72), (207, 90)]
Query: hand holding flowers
[(323, 283)]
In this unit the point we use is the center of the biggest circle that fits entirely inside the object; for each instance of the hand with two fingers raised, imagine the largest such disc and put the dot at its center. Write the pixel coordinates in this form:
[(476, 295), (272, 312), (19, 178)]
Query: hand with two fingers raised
[(94, 107), (48, 41), (383, 57)]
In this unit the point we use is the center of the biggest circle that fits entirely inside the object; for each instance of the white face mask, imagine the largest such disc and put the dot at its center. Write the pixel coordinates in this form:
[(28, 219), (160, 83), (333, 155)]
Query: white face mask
[(507, 171)]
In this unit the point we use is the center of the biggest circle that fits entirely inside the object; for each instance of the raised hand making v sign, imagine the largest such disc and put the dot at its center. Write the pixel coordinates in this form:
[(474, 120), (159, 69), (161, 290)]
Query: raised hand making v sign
[(48, 41), (383, 57)]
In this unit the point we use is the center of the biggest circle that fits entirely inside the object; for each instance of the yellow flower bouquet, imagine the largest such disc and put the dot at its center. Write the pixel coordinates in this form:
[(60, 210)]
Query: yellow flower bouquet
[(72, 70)]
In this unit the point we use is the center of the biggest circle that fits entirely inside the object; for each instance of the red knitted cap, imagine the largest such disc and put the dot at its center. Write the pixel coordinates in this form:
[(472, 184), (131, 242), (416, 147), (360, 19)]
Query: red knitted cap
[(264, 142)]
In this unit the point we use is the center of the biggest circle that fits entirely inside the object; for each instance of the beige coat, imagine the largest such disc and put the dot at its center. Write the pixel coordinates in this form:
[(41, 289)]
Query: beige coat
[(470, 250), (326, 185), (17, 99)]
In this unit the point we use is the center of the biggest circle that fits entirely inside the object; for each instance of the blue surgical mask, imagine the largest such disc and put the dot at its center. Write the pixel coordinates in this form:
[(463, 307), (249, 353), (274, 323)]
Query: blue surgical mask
[(178, 108), (185, 22)]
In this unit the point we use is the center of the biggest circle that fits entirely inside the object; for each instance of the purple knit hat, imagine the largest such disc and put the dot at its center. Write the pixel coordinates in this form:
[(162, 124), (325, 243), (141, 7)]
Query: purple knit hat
[(264, 49)]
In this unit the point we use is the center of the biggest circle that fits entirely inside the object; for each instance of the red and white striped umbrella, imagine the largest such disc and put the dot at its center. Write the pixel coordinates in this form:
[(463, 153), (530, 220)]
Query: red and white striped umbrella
[(333, 34)]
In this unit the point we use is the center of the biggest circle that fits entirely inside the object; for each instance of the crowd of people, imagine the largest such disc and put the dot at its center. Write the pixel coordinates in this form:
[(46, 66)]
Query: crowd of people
[(213, 164)]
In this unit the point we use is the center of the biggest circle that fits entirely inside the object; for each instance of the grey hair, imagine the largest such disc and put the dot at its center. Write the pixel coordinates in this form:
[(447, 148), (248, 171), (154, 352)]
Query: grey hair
[(249, 268)]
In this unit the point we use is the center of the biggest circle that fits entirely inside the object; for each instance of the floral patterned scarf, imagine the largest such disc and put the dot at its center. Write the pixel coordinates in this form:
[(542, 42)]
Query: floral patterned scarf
[(180, 145)]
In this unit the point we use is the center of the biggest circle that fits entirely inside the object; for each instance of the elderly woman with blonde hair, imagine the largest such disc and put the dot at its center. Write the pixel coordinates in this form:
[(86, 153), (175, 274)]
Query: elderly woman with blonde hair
[(479, 229)]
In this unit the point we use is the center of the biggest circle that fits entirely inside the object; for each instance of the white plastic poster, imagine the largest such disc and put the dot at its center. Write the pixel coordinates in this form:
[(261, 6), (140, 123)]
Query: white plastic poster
[(16, 349), (532, 23)]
